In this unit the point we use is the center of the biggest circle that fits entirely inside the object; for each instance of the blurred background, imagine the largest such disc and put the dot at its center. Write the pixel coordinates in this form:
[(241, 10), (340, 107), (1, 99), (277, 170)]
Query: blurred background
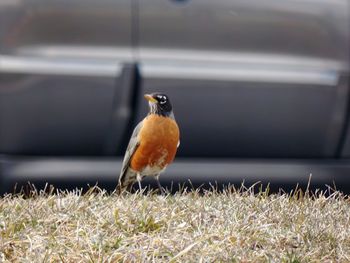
[(260, 89)]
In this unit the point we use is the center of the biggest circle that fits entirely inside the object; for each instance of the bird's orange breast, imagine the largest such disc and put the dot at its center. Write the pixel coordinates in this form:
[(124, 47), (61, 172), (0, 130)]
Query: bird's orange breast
[(158, 141)]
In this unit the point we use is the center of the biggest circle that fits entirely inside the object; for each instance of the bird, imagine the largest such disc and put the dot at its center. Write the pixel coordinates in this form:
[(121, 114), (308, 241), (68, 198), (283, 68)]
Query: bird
[(152, 146)]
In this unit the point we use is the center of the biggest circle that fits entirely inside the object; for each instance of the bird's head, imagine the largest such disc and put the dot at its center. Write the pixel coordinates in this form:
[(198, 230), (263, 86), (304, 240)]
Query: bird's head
[(159, 104)]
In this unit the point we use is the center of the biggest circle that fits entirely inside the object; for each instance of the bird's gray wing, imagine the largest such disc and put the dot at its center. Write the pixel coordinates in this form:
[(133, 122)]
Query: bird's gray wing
[(130, 150)]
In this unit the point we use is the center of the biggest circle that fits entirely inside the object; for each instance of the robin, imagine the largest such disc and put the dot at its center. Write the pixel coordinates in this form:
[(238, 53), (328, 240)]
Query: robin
[(153, 144)]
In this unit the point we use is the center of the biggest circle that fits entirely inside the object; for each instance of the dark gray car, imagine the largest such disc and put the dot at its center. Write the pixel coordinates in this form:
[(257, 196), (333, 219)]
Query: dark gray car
[(260, 88)]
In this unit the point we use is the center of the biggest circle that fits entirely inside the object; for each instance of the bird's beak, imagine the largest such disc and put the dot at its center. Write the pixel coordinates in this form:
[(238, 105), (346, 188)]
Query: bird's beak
[(150, 98)]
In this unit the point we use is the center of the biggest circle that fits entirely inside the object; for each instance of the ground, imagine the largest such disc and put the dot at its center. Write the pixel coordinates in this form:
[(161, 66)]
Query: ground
[(230, 226)]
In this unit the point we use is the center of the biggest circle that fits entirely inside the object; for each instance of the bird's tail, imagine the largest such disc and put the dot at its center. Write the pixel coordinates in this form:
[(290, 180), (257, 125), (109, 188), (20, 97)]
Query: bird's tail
[(126, 181)]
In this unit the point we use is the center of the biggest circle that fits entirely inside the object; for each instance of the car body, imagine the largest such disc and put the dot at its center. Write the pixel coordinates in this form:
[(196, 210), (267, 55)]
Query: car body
[(251, 81)]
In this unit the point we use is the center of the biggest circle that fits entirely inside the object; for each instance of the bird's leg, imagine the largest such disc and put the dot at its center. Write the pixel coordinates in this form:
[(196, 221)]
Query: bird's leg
[(139, 178), (158, 184)]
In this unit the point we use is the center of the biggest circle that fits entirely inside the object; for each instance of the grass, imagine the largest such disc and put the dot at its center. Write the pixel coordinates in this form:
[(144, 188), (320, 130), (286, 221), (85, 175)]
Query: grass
[(236, 225)]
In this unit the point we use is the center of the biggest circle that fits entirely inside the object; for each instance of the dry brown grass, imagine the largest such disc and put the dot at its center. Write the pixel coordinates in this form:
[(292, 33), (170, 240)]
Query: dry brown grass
[(234, 226)]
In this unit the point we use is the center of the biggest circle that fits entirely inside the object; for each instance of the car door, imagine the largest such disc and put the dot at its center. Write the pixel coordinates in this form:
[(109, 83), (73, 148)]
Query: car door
[(65, 76), (249, 78)]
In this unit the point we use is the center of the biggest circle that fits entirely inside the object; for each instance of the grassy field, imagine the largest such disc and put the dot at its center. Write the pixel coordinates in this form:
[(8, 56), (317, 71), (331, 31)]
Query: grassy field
[(233, 226)]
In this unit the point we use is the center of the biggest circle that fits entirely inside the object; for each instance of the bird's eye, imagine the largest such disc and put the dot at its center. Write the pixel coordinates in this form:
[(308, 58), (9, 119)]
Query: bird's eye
[(162, 99)]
